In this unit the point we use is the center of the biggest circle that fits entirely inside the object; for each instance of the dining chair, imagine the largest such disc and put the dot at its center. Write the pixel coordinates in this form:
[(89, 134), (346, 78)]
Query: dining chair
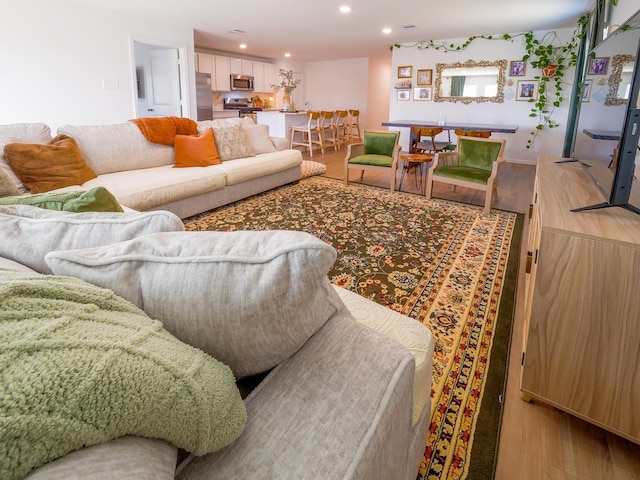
[(474, 164), (353, 125), (472, 133), (379, 151), (427, 140), (328, 129), (309, 134)]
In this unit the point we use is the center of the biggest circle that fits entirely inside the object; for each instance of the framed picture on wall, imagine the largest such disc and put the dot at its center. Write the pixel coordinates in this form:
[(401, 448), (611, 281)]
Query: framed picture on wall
[(405, 72), (422, 93), (404, 94), (517, 68), (586, 90), (527, 90), (425, 77), (598, 66)]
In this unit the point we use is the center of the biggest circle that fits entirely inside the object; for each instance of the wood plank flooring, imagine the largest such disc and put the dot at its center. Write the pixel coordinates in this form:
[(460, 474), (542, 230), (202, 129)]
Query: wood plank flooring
[(537, 441)]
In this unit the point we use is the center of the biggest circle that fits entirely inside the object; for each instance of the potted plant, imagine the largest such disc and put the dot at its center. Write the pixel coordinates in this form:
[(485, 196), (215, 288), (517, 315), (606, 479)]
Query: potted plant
[(288, 84)]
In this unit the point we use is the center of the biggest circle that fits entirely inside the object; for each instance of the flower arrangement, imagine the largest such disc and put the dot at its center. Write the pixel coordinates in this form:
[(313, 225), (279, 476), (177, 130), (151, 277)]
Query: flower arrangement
[(288, 83)]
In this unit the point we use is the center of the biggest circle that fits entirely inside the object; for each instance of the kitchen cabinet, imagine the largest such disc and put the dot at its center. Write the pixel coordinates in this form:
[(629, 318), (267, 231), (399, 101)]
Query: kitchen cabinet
[(258, 77), (222, 73), (244, 67), (582, 308), (204, 64), (270, 76)]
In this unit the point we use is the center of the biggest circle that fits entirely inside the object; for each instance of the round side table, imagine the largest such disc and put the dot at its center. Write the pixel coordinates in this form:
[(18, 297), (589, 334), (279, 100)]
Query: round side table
[(420, 162)]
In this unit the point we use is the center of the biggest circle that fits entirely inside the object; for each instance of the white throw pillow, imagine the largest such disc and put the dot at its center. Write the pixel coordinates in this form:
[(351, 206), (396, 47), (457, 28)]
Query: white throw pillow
[(28, 233), (250, 299), (258, 138)]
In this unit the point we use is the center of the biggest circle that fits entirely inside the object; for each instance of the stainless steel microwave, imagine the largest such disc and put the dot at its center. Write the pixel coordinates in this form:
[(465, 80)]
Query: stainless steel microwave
[(241, 82)]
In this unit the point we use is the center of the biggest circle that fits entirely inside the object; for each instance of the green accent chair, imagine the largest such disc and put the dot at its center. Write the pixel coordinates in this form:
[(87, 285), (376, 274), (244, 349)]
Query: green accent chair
[(378, 152), (474, 164)]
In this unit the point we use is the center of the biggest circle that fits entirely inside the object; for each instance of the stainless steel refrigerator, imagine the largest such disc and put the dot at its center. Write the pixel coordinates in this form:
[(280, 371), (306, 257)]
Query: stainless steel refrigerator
[(203, 96)]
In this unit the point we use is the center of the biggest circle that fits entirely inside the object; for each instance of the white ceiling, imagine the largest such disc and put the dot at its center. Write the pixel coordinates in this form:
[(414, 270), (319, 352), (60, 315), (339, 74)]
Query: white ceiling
[(315, 31)]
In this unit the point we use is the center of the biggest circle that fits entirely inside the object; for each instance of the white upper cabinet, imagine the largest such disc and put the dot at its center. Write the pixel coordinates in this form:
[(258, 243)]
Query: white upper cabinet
[(270, 76), (220, 68), (223, 73)]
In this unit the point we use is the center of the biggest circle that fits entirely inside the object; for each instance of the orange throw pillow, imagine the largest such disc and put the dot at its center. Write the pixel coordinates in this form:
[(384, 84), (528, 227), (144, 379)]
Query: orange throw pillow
[(45, 167), (196, 150)]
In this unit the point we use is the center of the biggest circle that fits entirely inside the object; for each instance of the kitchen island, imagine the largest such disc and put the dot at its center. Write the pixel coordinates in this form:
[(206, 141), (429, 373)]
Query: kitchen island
[(280, 122)]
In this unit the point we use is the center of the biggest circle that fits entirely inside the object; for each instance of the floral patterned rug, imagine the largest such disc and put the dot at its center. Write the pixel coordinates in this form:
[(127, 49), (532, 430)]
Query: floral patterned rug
[(445, 264)]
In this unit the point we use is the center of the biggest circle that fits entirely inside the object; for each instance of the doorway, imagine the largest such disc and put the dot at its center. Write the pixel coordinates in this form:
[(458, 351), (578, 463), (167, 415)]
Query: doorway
[(161, 80)]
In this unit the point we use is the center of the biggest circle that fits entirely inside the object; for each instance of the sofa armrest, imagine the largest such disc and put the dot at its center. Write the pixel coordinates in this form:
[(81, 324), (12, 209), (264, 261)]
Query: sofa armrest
[(339, 408), (280, 143), (128, 457)]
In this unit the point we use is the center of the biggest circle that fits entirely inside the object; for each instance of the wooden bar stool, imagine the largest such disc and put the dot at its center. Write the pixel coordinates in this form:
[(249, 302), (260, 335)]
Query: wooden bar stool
[(307, 133), (353, 126), (328, 129), (342, 137)]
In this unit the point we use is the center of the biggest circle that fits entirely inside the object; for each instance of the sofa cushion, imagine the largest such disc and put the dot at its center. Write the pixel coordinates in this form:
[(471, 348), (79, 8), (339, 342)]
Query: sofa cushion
[(250, 299), (21, 133), (82, 366), (118, 147), (45, 167), (408, 332), (7, 185), (28, 233), (258, 138), (125, 458), (97, 199), (196, 150), (243, 169), (153, 187), (232, 143)]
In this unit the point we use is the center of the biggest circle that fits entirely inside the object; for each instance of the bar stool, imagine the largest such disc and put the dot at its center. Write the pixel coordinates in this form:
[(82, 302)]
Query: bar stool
[(307, 133), (353, 126), (328, 129), (340, 123)]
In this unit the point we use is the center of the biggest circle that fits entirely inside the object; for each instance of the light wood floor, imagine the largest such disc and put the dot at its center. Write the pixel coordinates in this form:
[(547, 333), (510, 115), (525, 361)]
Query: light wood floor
[(537, 441)]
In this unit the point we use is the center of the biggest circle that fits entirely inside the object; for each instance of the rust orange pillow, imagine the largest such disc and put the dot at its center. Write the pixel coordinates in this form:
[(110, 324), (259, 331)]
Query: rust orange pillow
[(196, 150), (45, 167)]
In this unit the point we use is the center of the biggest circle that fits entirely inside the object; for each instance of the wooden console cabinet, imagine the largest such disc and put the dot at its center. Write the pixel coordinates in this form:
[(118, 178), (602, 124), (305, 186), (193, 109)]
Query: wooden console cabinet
[(582, 311)]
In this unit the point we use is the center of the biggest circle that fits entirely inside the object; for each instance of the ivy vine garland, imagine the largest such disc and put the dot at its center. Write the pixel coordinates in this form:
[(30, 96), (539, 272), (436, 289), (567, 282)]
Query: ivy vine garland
[(540, 53)]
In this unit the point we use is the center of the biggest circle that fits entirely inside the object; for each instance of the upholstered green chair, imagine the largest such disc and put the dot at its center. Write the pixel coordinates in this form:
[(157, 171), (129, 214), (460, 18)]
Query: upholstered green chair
[(474, 164), (378, 151)]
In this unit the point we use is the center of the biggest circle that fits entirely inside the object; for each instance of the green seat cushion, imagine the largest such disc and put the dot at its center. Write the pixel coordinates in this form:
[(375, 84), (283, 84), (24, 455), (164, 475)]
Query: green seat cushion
[(472, 153), (82, 366), (98, 199), (372, 159), (380, 143), (475, 175)]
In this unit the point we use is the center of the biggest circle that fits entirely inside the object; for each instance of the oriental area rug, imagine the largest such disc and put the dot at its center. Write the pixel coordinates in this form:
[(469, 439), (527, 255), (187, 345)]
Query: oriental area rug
[(443, 263)]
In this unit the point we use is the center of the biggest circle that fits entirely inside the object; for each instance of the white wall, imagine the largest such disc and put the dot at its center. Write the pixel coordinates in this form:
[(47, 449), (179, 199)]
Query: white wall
[(510, 112), (56, 54)]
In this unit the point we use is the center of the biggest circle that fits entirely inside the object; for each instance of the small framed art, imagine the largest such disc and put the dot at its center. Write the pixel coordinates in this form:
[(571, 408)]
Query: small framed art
[(586, 90), (598, 66), (405, 72), (527, 90), (404, 94), (425, 77), (422, 93), (517, 68)]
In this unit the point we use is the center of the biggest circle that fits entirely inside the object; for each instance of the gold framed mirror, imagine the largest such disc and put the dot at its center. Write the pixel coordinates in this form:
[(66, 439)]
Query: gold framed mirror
[(620, 80), (470, 81)]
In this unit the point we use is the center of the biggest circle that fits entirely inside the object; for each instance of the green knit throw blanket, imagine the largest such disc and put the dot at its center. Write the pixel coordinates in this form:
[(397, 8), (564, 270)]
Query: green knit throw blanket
[(81, 366)]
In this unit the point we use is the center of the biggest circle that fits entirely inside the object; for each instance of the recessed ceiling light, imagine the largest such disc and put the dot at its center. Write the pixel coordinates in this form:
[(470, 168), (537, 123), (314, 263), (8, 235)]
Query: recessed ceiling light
[(345, 9), (287, 54), (242, 45), (386, 30)]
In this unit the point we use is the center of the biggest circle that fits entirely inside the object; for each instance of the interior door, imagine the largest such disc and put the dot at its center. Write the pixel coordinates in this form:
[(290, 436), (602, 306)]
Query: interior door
[(164, 83)]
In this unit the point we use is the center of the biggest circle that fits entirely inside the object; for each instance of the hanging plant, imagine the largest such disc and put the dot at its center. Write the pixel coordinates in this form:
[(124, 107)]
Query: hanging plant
[(553, 61)]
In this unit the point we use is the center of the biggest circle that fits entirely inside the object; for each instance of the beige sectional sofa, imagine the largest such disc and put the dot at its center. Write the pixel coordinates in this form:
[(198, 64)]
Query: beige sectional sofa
[(140, 174), (338, 386)]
